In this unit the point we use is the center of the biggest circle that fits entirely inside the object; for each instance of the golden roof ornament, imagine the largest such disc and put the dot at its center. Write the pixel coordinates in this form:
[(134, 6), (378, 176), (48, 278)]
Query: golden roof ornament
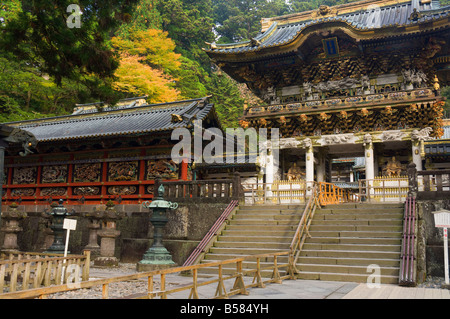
[(324, 11), (176, 118), (415, 15)]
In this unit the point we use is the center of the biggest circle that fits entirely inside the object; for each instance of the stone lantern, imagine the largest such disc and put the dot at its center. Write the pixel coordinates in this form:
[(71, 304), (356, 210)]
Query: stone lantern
[(58, 213), (157, 256), (94, 225), (108, 234), (11, 227)]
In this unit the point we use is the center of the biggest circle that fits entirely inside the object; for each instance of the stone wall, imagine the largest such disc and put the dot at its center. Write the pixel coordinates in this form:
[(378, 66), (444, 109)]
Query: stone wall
[(430, 241), (186, 228)]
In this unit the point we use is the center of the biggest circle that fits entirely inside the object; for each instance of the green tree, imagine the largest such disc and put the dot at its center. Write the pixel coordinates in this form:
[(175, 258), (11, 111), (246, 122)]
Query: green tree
[(39, 33), (189, 23), (226, 98), (238, 20)]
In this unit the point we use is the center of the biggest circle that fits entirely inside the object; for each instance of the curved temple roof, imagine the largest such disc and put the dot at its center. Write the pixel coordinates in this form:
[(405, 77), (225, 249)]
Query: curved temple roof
[(286, 29), (132, 120)]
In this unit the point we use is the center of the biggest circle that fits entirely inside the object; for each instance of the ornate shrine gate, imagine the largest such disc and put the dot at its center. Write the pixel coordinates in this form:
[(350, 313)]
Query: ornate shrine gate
[(359, 80)]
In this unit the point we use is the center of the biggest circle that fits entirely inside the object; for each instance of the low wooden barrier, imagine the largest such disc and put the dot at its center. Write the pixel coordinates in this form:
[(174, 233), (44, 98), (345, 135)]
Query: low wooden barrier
[(436, 184), (24, 271), (215, 190), (239, 285)]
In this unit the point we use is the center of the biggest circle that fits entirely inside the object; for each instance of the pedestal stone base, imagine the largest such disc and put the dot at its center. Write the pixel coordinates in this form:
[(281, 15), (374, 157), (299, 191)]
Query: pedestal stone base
[(106, 261), (155, 258), (149, 267)]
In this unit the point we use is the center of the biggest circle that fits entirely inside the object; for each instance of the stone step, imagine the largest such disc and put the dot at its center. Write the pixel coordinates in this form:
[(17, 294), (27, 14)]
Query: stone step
[(382, 262), (244, 251), (261, 227), (278, 231), (343, 210), (252, 244), (359, 213), (248, 238), (344, 277), (373, 234), (272, 207), (356, 215), (350, 254), (271, 211), (365, 205), (224, 255), (356, 240), (357, 228), (355, 246), (290, 217), (266, 222), (347, 269), (389, 222)]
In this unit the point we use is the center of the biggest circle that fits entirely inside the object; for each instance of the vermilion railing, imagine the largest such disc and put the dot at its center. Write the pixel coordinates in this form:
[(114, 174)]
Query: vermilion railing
[(332, 194), (407, 275)]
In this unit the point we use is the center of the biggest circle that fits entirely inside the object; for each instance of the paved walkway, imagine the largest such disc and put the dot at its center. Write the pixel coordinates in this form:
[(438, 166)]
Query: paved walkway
[(299, 289)]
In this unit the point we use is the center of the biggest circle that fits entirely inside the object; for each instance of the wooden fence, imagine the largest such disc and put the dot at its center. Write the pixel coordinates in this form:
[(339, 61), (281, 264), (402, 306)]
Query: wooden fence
[(23, 271), (436, 184), (214, 190), (280, 271)]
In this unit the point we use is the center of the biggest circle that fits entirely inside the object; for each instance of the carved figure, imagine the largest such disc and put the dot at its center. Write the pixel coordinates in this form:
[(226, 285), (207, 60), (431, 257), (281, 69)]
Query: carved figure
[(307, 143), (89, 172), (324, 10), (123, 171), (295, 173), (407, 74), (162, 169), (343, 84), (365, 82), (418, 78), (307, 88), (24, 175), (422, 135), (54, 174), (367, 139), (393, 168)]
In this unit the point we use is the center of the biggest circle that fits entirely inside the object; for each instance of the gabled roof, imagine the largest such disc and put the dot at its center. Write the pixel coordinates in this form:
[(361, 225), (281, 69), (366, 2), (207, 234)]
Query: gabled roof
[(122, 121), (360, 16)]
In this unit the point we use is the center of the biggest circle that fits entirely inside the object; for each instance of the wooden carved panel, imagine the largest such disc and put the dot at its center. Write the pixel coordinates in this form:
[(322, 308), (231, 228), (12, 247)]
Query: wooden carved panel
[(54, 174), (89, 172), (123, 171), (86, 190), (122, 190), (23, 192), (24, 175), (54, 191), (164, 169)]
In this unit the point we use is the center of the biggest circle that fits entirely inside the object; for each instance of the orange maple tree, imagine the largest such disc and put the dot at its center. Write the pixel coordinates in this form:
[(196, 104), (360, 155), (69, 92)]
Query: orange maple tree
[(147, 65)]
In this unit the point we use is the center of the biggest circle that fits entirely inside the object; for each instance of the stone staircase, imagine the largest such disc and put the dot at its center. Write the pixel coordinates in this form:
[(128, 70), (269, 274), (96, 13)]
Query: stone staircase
[(345, 240), (257, 229)]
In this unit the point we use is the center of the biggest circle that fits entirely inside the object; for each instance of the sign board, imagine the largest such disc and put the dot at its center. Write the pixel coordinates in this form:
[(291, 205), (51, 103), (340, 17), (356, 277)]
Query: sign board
[(70, 224), (442, 220)]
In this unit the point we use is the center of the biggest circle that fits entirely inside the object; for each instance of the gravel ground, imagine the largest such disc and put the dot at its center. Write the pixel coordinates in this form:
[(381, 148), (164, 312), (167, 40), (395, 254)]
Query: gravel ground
[(432, 282), (116, 290)]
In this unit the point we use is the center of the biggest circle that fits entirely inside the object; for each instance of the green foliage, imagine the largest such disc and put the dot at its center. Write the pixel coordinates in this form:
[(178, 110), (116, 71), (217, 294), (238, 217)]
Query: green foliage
[(40, 34), (47, 67), (189, 23), (226, 98), (445, 92), (239, 20)]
